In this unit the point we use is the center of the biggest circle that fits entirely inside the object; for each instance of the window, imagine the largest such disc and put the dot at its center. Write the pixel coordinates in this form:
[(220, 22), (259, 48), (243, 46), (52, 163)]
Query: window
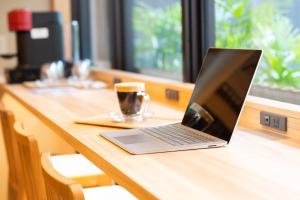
[(160, 38), (170, 38), (157, 33), (271, 25), (147, 37)]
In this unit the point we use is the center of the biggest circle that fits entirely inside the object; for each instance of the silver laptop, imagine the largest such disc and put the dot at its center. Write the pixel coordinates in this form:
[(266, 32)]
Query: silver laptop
[(212, 113)]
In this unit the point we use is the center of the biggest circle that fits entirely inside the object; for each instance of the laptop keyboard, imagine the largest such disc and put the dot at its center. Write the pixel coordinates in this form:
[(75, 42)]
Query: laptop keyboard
[(176, 135)]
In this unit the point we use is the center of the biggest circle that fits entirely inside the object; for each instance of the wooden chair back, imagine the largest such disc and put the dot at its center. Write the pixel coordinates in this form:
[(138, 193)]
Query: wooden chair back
[(57, 186), (15, 181), (31, 164)]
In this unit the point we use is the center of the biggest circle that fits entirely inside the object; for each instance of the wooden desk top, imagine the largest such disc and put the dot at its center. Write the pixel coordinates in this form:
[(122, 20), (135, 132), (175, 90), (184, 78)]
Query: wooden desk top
[(252, 166)]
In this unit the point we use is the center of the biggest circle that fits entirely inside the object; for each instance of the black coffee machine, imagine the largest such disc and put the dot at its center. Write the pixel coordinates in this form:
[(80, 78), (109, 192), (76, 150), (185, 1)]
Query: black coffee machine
[(39, 38)]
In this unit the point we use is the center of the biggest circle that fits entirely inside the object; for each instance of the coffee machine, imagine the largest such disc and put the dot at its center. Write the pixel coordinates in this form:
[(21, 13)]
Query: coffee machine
[(39, 38)]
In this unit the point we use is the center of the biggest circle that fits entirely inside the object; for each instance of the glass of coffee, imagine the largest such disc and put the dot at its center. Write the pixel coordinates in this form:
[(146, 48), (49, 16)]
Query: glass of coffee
[(133, 100)]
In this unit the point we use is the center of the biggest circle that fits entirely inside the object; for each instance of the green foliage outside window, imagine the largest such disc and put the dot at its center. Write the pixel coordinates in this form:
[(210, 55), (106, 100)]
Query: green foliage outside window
[(240, 24), (157, 37)]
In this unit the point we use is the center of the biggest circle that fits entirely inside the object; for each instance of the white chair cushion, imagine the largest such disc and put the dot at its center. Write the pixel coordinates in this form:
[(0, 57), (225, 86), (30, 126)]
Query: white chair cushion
[(74, 165), (107, 193)]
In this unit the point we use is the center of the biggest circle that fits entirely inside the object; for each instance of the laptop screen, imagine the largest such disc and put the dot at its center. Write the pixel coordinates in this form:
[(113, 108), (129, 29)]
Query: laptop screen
[(220, 91)]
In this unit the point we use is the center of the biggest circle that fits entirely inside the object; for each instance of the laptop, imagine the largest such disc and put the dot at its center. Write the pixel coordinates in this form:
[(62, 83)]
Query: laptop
[(212, 113)]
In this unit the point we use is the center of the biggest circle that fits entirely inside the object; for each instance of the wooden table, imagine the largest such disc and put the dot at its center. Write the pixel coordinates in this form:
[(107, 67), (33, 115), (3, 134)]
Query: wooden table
[(252, 166)]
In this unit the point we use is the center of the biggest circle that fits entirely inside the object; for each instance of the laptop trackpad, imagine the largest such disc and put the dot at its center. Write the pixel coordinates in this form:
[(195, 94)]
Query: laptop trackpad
[(133, 139)]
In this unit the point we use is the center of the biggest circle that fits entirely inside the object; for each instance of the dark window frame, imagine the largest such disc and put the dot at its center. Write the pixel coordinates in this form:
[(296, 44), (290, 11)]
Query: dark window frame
[(197, 37)]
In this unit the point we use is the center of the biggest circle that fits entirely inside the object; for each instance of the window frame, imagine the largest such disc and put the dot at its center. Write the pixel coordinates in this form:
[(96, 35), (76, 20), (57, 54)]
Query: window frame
[(121, 51), (197, 35)]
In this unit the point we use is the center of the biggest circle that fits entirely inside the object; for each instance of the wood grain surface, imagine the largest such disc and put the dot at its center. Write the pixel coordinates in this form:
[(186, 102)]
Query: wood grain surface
[(253, 166)]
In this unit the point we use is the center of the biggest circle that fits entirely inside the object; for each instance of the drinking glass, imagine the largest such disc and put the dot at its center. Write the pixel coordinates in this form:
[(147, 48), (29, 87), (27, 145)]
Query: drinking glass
[(52, 73)]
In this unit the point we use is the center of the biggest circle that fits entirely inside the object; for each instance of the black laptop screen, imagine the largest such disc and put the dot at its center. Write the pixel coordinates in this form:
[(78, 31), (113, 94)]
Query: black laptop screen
[(220, 91)]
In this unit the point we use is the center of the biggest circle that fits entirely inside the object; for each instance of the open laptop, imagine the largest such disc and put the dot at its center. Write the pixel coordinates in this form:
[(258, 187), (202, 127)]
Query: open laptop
[(212, 113)]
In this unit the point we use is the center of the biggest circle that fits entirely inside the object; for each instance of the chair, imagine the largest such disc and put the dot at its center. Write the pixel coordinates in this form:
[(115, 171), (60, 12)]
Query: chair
[(15, 187), (58, 187), (85, 173), (31, 165), (44, 182)]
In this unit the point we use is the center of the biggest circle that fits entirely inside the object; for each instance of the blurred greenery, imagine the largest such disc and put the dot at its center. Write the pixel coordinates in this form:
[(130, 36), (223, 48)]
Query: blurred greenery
[(246, 24), (239, 24), (157, 37)]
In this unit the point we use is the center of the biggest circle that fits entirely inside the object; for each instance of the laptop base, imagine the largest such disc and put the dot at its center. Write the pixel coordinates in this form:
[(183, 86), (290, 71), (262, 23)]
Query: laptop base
[(138, 141)]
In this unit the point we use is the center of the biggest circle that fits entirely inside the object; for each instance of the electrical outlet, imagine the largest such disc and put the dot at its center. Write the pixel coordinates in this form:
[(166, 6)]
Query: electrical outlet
[(172, 94), (272, 120), (266, 120)]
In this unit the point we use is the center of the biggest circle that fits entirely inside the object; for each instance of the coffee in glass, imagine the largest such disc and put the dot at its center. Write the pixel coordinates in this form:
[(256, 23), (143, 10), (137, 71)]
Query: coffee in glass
[(133, 100)]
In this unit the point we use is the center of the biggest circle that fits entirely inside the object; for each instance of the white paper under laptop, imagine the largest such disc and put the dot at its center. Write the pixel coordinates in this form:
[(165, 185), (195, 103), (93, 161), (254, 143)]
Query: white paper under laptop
[(212, 113)]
